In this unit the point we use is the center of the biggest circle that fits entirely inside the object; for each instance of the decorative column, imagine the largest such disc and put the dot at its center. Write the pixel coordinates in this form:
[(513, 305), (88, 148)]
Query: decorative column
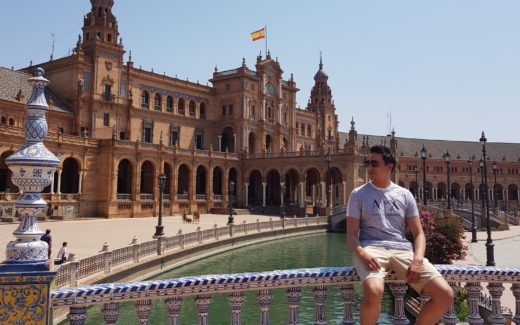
[(173, 305), (473, 289), (110, 313), (347, 293), (246, 192), (516, 293), (264, 189), (203, 303), (450, 317), (294, 295), (59, 181), (24, 273), (143, 309), (495, 290), (220, 143), (264, 298), (236, 299), (398, 291), (81, 181), (302, 194), (320, 295)]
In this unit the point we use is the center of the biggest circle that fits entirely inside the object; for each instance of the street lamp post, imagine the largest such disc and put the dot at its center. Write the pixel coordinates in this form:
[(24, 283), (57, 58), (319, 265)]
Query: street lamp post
[(328, 159), (159, 229), (424, 155), (473, 224), (489, 242), (447, 159), (416, 190), (282, 207), (495, 191), (230, 198)]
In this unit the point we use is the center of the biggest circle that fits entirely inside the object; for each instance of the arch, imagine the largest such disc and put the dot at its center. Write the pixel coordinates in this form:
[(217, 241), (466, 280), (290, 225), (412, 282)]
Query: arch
[(168, 173), (202, 111), (169, 104), (6, 185), (441, 191), (124, 177), (498, 192), (191, 107), (292, 182), (228, 140), (512, 192), (217, 181), (273, 195), (232, 176), (157, 102), (147, 178), (3, 120), (414, 188), (255, 188), (268, 143), (145, 99), (468, 191), (455, 191), (313, 187), (180, 107), (200, 180), (11, 121), (251, 141), (70, 176), (429, 190), (183, 180)]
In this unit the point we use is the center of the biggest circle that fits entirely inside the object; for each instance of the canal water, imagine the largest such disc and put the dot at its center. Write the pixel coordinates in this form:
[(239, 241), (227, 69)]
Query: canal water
[(325, 249)]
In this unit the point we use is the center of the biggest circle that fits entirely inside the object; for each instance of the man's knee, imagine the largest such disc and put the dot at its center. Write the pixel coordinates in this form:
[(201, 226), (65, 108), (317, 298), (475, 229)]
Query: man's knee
[(440, 291), (373, 289)]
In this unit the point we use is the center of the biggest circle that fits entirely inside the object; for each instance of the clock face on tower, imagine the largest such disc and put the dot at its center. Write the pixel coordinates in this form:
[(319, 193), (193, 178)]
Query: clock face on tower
[(270, 90)]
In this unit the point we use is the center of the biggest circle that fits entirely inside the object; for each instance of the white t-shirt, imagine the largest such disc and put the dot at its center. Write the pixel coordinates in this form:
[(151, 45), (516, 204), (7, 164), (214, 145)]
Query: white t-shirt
[(62, 252), (382, 214)]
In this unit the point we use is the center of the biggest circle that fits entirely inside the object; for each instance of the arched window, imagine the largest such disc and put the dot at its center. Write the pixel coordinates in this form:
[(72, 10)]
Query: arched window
[(302, 129), (157, 102), (309, 131), (145, 99), (11, 121), (180, 108), (169, 104), (202, 111), (192, 108)]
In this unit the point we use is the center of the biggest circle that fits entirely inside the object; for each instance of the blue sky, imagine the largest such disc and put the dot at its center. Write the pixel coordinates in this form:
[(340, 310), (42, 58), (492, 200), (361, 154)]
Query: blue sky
[(444, 69)]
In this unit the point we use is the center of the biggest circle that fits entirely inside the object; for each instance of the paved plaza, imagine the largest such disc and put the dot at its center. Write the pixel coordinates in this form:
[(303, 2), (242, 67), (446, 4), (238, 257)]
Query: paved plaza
[(85, 237)]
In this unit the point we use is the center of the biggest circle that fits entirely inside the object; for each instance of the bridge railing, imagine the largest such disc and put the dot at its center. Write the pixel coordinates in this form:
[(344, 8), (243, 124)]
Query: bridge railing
[(202, 289), (72, 272)]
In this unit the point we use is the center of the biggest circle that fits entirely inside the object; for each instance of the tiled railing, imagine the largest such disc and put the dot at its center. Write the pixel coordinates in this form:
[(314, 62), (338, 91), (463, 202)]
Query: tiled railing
[(201, 288), (70, 273)]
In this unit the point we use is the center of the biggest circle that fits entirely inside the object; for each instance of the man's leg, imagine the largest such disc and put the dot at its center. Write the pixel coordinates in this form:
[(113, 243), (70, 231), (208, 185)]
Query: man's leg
[(441, 298), (373, 289)]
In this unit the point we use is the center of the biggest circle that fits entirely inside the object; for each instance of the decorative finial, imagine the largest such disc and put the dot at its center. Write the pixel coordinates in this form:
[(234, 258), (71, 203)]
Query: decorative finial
[(321, 62), (130, 56), (243, 62), (216, 69)]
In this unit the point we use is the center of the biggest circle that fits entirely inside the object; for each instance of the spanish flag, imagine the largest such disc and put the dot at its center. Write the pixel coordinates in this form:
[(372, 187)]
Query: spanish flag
[(259, 34)]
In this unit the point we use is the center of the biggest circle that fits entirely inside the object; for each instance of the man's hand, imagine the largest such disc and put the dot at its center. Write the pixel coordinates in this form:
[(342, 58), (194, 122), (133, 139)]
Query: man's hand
[(413, 274), (371, 262)]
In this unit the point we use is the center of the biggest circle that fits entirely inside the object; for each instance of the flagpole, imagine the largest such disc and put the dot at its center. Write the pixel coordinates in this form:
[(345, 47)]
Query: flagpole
[(265, 28)]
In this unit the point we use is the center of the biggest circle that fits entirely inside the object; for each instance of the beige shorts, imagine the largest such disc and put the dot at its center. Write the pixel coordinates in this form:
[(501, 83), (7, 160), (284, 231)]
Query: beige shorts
[(394, 260)]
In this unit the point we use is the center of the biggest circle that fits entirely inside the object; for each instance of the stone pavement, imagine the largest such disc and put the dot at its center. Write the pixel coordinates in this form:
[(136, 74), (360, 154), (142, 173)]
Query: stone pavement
[(85, 237), (506, 254)]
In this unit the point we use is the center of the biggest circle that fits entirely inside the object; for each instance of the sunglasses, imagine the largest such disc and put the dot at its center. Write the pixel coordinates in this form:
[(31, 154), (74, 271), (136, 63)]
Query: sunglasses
[(373, 163)]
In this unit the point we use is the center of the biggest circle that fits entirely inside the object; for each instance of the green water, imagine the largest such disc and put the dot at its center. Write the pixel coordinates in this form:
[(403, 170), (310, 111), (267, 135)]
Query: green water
[(297, 252)]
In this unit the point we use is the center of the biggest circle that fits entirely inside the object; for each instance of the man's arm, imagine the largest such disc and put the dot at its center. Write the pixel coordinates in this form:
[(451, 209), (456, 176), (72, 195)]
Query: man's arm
[(415, 269), (354, 244)]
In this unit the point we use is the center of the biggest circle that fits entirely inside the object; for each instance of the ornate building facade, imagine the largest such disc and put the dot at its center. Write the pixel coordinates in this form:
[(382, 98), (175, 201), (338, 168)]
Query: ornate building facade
[(116, 128)]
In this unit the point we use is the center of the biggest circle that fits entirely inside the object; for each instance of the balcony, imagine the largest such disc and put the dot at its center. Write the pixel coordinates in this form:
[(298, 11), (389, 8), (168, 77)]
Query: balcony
[(107, 97)]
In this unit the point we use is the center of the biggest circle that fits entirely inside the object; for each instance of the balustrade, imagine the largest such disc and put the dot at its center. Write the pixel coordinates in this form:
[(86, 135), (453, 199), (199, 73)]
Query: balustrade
[(318, 279)]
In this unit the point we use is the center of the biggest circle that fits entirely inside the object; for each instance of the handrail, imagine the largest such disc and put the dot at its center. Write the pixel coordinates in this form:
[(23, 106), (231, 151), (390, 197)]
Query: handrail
[(319, 279)]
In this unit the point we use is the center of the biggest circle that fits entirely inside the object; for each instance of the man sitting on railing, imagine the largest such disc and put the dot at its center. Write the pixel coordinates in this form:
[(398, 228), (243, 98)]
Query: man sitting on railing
[(377, 214)]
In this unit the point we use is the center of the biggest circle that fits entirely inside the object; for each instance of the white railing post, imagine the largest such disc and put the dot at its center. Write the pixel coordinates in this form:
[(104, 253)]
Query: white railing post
[(245, 227), (143, 309), (110, 313), (106, 259), (294, 295), (236, 299), (215, 227), (264, 298), (161, 240), (199, 235), (135, 252), (173, 305), (398, 291), (271, 226), (347, 293), (516, 293), (74, 273), (258, 228), (450, 317), (320, 296), (203, 303), (495, 290), (77, 315), (473, 289), (181, 239)]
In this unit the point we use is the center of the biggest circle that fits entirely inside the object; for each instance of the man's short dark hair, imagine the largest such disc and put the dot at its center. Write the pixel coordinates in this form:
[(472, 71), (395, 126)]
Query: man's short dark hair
[(388, 157)]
